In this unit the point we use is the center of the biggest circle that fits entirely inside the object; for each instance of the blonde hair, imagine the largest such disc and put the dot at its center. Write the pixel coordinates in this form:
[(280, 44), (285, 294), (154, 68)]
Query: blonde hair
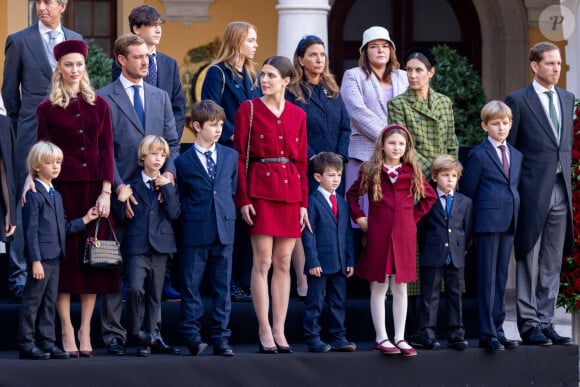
[(41, 151), (495, 109), (445, 163), (149, 144), (371, 170), (229, 53), (59, 96)]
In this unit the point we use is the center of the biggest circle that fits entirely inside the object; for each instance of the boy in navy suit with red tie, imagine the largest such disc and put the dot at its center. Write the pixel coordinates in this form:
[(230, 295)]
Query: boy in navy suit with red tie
[(491, 180), (443, 235), (45, 228), (207, 177), (329, 252), (149, 240)]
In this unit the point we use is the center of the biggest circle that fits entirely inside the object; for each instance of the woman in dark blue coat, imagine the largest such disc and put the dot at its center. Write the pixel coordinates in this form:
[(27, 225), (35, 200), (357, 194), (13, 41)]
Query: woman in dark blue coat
[(327, 124)]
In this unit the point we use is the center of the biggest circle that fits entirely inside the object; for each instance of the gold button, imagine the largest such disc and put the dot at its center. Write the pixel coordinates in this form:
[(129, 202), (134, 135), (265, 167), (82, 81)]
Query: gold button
[(446, 245), (281, 152), (280, 137), (267, 173), (283, 165), (261, 136), (286, 181)]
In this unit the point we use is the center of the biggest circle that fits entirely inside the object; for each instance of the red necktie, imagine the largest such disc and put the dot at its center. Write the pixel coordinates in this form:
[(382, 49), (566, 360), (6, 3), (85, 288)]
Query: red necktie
[(334, 205)]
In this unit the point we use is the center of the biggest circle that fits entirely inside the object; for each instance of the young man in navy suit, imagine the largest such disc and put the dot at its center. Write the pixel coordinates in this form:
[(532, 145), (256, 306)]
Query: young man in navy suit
[(207, 177), (329, 252), (491, 180), (28, 67), (45, 228), (148, 241), (443, 235), (542, 130)]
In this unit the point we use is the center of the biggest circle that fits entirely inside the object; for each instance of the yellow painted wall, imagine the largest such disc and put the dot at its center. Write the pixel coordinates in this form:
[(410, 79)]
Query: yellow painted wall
[(536, 36), (13, 17)]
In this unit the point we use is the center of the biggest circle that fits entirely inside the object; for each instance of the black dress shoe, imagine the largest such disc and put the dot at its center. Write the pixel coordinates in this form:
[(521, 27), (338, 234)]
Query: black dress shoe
[(460, 345), (159, 346), (491, 345), (551, 334), (143, 351), (239, 294), (423, 341), (34, 353), (116, 347), (222, 348), (196, 347), (535, 337), (56, 353), (507, 343)]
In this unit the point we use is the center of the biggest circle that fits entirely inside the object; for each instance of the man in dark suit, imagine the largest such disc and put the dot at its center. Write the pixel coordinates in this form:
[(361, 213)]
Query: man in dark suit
[(137, 110), (443, 235), (207, 178), (491, 180), (542, 131), (28, 66), (163, 73), (329, 250)]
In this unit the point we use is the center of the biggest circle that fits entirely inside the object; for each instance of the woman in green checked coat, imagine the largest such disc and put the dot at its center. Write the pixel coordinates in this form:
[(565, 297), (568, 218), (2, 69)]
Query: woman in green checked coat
[(427, 114)]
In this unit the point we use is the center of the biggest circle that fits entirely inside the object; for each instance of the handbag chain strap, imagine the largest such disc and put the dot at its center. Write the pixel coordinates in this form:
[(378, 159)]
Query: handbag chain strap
[(249, 137)]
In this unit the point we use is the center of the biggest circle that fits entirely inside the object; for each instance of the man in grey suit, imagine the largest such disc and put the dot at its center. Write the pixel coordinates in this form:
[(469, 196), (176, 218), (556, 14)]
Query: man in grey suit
[(137, 110), (28, 67), (542, 132)]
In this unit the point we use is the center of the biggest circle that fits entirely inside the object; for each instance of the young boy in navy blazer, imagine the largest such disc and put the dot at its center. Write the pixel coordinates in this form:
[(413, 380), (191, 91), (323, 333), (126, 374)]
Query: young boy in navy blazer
[(329, 252), (443, 234), (45, 228), (491, 180), (207, 175), (148, 241)]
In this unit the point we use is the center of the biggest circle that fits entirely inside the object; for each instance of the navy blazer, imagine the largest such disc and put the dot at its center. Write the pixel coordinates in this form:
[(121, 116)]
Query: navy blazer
[(228, 90), (128, 131), (168, 80), (532, 134), (45, 225), (330, 245), (439, 236), (496, 199), (151, 226), (6, 155), (207, 207)]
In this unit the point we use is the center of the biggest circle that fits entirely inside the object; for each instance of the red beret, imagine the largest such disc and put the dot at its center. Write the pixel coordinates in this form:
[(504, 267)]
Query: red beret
[(70, 46)]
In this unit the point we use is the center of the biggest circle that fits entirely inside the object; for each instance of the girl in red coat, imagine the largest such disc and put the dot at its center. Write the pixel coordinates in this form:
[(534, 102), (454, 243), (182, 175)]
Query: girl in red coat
[(399, 196)]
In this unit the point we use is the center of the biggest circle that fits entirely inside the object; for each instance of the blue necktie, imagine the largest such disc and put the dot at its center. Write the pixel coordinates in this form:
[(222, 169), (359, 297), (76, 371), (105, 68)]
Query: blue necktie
[(138, 104), (151, 77), (210, 165), (51, 193), (52, 35), (448, 204), (151, 191)]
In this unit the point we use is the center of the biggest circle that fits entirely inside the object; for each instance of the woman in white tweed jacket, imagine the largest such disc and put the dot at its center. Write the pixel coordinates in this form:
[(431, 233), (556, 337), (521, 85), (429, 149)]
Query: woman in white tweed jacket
[(365, 90)]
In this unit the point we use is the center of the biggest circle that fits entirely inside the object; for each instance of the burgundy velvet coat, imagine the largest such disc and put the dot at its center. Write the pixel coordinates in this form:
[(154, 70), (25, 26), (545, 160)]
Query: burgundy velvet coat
[(272, 137), (392, 233), (84, 134)]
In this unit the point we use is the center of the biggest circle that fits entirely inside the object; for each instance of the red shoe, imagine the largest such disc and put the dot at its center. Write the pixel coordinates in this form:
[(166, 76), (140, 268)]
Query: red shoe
[(406, 351), (385, 350)]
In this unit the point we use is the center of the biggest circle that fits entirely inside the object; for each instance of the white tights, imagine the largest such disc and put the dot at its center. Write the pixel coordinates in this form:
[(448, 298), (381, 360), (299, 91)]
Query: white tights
[(378, 295)]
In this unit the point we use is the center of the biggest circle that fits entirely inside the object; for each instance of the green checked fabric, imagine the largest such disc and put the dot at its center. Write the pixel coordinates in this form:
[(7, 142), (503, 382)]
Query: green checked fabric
[(429, 121)]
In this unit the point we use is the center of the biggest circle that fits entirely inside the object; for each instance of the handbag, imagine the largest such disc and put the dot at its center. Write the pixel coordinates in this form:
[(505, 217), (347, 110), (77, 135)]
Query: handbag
[(249, 136), (103, 254)]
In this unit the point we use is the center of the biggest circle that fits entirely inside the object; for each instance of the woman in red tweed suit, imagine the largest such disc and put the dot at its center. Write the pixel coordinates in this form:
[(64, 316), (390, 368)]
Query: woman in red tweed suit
[(273, 194)]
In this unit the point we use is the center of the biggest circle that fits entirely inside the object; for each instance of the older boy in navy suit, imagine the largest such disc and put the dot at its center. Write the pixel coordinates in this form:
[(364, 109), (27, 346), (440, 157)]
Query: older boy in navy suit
[(207, 175), (491, 180), (148, 240), (443, 235), (329, 252), (45, 228)]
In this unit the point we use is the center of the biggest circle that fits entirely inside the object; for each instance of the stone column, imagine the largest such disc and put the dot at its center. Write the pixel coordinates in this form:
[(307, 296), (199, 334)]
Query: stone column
[(298, 18)]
